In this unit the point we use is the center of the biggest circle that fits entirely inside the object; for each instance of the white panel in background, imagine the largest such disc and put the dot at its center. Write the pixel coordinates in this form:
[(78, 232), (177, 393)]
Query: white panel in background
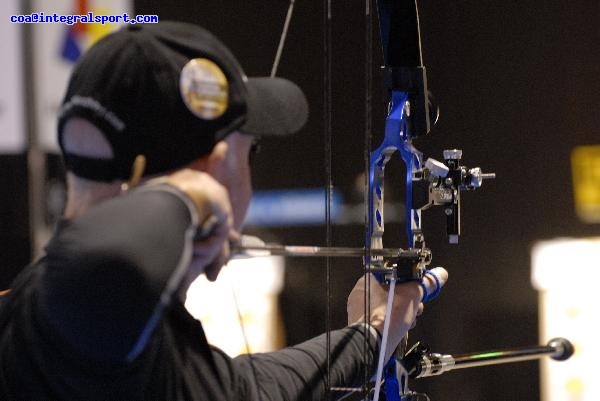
[(51, 68), (254, 284), (566, 272), (13, 135)]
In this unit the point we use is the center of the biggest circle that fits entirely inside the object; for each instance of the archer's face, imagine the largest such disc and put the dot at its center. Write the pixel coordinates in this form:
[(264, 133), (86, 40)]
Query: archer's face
[(229, 165), (237, 177)]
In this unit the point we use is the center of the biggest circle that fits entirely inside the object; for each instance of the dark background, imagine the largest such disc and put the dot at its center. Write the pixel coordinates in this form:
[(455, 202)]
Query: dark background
[(518, 88)]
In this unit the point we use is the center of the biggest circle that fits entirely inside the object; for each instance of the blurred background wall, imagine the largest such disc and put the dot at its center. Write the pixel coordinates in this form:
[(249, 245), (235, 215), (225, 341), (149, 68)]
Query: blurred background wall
[(518, 88)]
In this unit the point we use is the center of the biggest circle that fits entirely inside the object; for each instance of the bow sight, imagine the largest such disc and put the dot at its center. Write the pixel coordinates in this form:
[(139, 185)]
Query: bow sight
[(435, 184), (440, 184)]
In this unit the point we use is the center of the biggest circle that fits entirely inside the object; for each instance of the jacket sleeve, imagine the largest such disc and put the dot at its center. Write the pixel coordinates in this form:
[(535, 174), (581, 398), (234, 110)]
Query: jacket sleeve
[(299, 373), (111, 273)]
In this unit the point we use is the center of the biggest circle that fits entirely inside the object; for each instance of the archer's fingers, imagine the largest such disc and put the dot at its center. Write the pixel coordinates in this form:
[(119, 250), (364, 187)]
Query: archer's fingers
[(432, 283)]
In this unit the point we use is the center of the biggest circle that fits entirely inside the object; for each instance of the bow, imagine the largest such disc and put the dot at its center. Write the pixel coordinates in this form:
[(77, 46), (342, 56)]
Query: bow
[(411, 114), (429, 182), (408, 117)]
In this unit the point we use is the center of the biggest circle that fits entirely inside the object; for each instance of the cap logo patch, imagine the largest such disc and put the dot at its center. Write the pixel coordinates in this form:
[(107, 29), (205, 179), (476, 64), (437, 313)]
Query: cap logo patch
[(204, 88)]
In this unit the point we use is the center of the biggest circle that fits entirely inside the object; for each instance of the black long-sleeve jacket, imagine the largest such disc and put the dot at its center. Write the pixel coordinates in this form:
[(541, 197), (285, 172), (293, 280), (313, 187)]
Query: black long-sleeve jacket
[(97, 319)]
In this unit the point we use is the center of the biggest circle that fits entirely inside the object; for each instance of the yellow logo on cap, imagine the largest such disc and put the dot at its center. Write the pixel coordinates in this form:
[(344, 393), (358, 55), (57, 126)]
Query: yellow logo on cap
[(204, 88)]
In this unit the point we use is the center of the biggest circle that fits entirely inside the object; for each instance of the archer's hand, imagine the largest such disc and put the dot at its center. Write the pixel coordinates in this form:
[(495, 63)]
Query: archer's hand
[(211, 199), (406, 307)]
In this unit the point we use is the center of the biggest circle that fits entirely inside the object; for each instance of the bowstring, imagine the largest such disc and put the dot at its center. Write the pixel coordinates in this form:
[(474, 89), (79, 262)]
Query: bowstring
[(327, 122), (327, 126), (274, 68), (368, 139)]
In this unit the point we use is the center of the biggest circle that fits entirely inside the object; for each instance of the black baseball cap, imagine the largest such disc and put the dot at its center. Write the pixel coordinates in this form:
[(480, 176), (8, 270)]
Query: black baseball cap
[(170, 91)]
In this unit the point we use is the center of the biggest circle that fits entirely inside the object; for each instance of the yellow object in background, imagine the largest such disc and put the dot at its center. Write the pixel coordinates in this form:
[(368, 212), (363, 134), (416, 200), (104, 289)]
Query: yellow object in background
[(585, 167)]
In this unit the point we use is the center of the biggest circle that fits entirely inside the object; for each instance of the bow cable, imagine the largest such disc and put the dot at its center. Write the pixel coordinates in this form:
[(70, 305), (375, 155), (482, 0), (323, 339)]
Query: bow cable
[(282, 38), (368, 140), (327, 127)]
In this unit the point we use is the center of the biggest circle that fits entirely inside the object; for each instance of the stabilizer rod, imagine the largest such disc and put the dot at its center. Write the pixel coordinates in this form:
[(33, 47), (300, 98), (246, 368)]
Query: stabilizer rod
[(419, 362)]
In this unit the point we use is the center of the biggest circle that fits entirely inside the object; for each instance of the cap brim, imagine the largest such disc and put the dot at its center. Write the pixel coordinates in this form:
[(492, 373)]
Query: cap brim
[(276, 106)]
